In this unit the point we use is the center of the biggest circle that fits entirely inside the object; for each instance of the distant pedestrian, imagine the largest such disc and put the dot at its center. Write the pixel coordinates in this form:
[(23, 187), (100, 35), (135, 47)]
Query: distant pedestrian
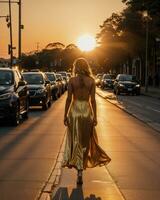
[(82, 150)]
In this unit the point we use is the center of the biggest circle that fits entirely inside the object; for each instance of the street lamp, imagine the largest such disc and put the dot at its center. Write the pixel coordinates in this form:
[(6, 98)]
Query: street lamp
[(146, 17)]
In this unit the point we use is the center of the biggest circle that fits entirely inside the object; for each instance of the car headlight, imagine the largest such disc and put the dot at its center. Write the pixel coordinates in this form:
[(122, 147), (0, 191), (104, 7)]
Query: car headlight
[(138, 85), (5, 96), (40, 91), (121, 85)]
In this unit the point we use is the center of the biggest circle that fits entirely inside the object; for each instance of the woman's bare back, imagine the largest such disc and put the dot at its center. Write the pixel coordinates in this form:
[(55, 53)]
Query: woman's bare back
[(82, 87)]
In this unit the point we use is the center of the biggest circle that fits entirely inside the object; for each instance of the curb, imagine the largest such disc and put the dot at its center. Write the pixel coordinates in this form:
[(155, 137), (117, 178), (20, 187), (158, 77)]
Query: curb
[(129, 112), (54, 177)]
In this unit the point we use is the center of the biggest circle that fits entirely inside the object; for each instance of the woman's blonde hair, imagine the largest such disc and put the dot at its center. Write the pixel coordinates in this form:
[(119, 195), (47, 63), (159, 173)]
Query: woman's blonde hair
[(81, 67)]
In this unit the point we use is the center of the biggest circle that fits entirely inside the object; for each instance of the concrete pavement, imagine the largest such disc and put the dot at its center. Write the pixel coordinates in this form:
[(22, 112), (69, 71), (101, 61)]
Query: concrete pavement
[(98, 185)]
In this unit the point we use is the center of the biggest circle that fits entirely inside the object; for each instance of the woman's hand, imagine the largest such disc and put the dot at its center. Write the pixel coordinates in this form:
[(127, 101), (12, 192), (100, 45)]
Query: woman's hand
[(65, 121)]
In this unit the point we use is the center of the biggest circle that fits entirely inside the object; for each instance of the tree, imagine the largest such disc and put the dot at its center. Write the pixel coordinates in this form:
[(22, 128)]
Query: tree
[(70, 53)]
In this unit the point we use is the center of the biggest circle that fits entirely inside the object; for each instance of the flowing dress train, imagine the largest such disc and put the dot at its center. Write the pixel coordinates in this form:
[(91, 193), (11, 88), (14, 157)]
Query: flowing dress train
[(82, 150)]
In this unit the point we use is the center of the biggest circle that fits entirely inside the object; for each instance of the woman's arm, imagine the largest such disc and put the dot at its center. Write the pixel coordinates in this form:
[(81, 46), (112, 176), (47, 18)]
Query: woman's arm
[(93, 103), (68, 101)]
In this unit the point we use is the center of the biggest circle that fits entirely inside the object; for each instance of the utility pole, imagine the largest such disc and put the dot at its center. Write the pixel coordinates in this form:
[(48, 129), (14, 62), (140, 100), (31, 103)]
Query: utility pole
[(20, 27), (19, 34), (11, 40)]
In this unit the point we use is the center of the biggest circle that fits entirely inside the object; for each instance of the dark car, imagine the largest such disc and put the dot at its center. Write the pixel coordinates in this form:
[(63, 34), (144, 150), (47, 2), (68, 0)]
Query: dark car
[(98, 79), (65, 78), (125, 83), (55, 88), (61, 82), (107, 81), (39, 89), (13, 95)]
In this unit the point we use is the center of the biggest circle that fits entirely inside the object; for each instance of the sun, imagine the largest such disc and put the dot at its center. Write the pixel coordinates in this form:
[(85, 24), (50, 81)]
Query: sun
[(86, 43)]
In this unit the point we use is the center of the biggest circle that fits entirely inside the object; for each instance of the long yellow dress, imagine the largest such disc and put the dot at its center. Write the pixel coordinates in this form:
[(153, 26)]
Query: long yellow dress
[(82, 150)]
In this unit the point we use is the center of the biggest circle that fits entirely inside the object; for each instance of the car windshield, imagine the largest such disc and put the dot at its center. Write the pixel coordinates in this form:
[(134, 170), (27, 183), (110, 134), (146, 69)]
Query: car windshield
[(127, 78), (33, 79), (6, 78), (51, 77)]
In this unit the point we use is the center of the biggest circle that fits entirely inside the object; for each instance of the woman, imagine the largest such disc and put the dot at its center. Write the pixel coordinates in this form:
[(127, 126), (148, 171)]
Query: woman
[(82, 150)]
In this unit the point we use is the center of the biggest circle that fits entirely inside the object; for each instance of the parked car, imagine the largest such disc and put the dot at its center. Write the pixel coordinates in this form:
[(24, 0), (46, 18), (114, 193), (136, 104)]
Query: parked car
[(107, 81), (13, 95), (69, 75), (65, 78), (39, 89), (55, 87), (98, 79), (62, 82), (125, 83)]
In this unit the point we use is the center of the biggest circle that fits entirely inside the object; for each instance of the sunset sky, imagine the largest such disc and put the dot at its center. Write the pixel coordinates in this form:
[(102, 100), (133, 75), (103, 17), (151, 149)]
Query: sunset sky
[(48, 21)]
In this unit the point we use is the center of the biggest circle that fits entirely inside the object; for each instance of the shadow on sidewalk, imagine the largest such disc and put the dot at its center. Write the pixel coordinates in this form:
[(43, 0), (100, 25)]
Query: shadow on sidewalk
[(76, 194)]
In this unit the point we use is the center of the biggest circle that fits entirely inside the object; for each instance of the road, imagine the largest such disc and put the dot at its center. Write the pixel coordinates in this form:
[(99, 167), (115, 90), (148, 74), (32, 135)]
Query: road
[(143, 107), (135, 151), (28, 153)]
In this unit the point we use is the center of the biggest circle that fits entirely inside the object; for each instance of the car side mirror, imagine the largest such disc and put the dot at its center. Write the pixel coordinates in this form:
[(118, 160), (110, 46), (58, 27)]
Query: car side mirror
[(21, 83)]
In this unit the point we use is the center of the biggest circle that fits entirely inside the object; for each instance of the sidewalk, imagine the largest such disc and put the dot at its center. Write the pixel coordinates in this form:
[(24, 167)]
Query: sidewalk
[(152, 92), (98, 185)]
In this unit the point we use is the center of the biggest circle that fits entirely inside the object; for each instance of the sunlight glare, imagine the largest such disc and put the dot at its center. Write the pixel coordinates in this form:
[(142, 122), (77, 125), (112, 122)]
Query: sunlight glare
[(86, 43)]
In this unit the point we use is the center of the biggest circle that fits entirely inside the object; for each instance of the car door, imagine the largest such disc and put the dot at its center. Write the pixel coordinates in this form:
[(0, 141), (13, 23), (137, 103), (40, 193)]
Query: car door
[(48, 87), (21, 91)]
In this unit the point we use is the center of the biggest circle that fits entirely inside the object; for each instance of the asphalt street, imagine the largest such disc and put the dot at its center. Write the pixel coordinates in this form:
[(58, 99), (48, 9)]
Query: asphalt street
[(143, 107), (29, 153)]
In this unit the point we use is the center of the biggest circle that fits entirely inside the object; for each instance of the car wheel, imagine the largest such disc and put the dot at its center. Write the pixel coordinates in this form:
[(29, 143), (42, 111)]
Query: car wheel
[(25, 115), (16, 116)]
